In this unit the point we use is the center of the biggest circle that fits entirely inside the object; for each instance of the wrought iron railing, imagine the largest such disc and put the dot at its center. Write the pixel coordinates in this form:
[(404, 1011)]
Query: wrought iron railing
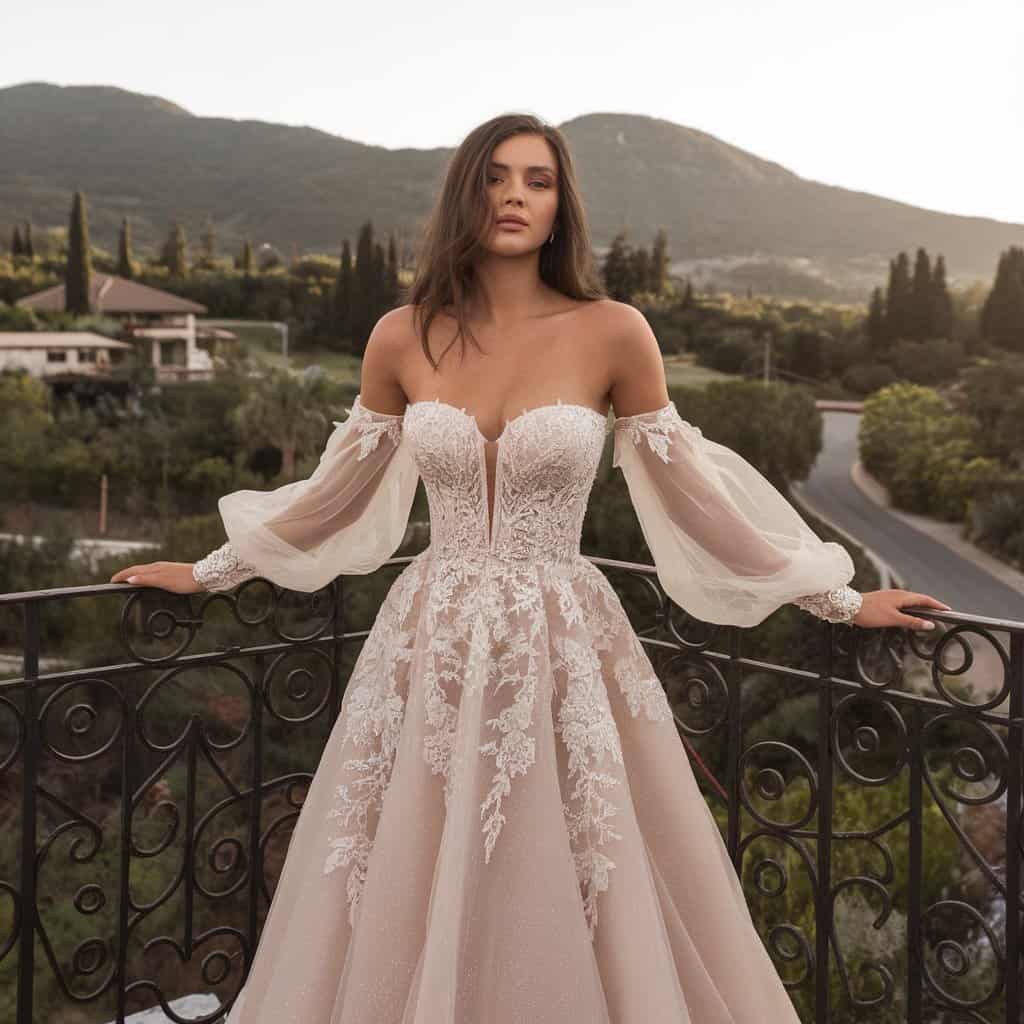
[(874, 774)]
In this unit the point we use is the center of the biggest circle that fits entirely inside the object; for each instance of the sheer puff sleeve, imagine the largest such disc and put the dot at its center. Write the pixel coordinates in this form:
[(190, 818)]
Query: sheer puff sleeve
[(349, 517), (728, 547)]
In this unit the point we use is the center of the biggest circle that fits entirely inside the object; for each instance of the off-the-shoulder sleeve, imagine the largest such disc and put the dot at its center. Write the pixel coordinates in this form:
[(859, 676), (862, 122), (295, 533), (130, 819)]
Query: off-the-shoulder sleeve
[(348, 517), (727, 545)]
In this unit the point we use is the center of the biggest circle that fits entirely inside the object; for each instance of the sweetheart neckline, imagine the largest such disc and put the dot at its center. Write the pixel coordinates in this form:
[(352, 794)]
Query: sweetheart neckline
[(508, 423)]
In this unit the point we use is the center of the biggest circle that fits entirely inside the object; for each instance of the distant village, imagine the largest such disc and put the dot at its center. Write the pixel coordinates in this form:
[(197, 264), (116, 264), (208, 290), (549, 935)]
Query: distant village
[(158, 329)]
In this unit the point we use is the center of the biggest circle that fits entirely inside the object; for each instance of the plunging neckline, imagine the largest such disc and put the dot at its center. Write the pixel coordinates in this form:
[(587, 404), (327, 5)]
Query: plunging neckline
[(509, 422)]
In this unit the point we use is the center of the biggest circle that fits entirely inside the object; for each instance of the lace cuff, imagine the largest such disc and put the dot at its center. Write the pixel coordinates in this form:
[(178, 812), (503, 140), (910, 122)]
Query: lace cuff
[(838, 605), (222, 569)]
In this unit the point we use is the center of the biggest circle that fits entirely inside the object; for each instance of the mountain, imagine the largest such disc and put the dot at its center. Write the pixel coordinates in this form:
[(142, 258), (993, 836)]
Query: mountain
[(294, 185)]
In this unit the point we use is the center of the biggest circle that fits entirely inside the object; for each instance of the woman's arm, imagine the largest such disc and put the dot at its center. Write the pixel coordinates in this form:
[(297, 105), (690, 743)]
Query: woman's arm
[(729, 541)]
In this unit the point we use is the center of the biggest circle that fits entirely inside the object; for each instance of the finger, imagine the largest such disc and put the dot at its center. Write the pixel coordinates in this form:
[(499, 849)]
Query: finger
[(128, 570), (145, 579), (910, 598), (911, 622)]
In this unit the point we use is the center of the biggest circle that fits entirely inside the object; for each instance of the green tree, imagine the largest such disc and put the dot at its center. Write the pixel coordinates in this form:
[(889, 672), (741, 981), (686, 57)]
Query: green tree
[(174, 251), (342, 313), (920, 314), (898, 304), (28, 248), (1002, 315), (363, 294), (618, 277), (78, 271), (208, 245), (17, 246), (659, 263), (245, 260), (875, 327), (282, 410), (125, 265), (25, 419), (941, 302)]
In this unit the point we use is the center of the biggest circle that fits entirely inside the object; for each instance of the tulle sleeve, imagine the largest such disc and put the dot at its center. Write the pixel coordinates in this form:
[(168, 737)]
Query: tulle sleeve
[(348, 517), (727, 545)]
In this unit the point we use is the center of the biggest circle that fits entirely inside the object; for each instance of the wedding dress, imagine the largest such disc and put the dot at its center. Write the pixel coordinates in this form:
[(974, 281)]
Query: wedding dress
[(504, 826)]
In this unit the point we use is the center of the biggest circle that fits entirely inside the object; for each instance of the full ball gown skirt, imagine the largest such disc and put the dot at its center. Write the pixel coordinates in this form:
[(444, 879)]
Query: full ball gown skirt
[(504, 826)]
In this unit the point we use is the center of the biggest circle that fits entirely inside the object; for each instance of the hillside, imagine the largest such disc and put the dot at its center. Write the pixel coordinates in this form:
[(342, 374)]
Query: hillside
[(147, 157)]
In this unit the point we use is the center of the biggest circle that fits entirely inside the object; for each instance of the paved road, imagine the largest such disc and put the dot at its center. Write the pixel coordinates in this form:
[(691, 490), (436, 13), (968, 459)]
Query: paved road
[(924, 564)]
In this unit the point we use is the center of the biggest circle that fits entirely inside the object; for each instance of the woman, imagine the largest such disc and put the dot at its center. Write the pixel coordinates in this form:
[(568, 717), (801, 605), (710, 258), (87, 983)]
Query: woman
[(504, 825)]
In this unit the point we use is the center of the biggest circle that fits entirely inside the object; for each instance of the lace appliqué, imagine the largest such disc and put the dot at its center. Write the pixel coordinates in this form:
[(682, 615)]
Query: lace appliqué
[(588, 731), (371, 426), (840, 604), (374, 710), (655, 427), (222, 569), (641, 686)]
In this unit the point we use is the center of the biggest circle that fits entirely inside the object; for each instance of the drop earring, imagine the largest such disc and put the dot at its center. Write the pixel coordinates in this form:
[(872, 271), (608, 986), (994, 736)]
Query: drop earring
[(551, 237)]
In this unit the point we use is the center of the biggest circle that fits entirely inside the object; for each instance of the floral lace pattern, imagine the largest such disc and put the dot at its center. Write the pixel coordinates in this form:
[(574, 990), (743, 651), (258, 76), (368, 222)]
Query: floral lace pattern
[(838, 605), (497, 625), (222, 569)]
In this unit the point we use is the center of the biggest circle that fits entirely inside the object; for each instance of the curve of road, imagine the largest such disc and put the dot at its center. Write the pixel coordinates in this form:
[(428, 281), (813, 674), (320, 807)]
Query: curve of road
[(925, 564)]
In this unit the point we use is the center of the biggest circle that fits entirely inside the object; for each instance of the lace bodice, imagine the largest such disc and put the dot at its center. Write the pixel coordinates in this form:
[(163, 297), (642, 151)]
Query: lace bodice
[(544, 466), (728, 547)]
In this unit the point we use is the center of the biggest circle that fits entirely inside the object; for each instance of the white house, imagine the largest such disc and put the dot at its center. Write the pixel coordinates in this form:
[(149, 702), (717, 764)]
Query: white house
[(59, 353), (162, 326)]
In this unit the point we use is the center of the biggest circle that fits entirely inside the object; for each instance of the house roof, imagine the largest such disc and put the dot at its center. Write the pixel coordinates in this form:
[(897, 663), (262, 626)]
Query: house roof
[(57, 339), (109, 293)]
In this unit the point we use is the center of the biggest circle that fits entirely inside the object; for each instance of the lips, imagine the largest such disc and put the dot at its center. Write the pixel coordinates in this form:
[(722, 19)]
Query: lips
[(512, 220)]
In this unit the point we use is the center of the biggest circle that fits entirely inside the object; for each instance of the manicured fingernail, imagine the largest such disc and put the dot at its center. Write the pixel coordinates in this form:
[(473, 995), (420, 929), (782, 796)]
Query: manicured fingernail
[(929, 624), (131, 579)]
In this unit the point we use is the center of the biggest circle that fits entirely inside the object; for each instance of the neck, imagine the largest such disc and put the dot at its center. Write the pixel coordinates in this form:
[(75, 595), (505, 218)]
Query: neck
[(508, 289)]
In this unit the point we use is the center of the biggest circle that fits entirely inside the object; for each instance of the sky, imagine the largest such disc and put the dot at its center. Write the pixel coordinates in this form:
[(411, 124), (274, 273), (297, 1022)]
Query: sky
[(917, 101)]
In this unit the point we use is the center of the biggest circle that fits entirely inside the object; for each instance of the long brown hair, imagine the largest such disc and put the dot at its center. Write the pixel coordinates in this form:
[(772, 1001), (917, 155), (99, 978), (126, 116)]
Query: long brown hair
[(451, 237)]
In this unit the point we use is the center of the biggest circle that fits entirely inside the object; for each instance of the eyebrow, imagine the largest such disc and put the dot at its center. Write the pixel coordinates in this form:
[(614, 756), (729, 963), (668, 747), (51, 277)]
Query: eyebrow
[(532, 167)]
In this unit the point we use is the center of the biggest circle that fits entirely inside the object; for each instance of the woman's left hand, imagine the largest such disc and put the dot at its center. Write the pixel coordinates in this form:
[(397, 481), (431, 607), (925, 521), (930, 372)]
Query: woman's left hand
[(883, 608)]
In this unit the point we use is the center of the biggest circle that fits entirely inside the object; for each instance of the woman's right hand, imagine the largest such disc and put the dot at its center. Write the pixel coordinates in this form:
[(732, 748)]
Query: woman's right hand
[(173, 576)]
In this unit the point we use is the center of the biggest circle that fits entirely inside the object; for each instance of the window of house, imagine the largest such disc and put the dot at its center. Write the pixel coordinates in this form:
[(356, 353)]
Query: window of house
[(87, 355), (56, 355)]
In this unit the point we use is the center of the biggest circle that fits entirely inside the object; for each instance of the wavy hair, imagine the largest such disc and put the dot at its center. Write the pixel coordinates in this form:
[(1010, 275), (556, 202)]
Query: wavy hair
[(451, 238)]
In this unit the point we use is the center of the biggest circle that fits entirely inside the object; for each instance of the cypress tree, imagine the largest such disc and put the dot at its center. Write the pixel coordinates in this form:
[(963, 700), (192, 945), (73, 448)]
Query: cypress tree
[(1002, 315), (616, 269), (28, 249), (245, 262), (898, 306), (208, 242), (342, 314), (659, 263), (920, 318), (363, 290), (17, 248), (78, 271), (687, 295), (174, 251), (942, 303), (875, 327), (125, 267)]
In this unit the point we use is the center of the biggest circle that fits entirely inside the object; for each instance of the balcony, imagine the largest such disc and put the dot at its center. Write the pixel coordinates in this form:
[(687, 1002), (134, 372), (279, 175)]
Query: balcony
[(151, 784)]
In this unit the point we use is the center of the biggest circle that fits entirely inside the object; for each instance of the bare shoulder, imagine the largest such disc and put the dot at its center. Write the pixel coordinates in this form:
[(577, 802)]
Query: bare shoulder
[(386, 351), (634, 359)]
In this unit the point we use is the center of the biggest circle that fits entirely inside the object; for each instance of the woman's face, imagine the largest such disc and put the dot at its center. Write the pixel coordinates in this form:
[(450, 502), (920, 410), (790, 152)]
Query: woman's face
[(522, 182)]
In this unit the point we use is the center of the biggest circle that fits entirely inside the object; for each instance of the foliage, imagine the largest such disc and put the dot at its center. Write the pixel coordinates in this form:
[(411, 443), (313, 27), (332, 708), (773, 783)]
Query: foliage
[(919, 448)]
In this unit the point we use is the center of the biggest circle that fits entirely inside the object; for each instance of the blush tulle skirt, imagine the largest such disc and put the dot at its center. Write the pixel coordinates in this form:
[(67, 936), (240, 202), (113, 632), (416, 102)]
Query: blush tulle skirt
[(504, 828)]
